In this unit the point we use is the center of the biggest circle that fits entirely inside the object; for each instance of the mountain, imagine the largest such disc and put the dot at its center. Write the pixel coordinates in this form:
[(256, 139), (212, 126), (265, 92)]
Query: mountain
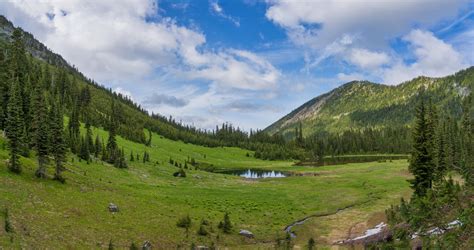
[(363, 104), (33, 46)]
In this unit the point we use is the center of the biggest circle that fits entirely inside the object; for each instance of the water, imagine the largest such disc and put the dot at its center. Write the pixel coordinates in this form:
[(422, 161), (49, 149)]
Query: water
[(256, 174)]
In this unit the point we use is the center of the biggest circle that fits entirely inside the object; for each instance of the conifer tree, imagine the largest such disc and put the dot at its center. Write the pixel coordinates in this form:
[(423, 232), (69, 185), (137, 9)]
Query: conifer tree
[(421, 163), (112, 150), (4, 87), (58, 145), (441, 164), (14, 126), (84, 152), (41, 135), (97, 146)]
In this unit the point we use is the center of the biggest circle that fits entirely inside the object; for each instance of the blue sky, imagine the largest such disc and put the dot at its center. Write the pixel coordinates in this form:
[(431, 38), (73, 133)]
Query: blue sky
[(248, 62)]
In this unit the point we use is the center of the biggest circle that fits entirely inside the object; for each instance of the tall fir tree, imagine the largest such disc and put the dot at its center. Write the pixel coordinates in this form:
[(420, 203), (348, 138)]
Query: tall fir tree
[(58, 147), (4, 87), (14, 126), (422, 162), (41, 136), (112, 149)]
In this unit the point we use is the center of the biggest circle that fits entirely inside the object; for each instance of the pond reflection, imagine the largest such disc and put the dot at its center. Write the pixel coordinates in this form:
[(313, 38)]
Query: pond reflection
[(256, 174)]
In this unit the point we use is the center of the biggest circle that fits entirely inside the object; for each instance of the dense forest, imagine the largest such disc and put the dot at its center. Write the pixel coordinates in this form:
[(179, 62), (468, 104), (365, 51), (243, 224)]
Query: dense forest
[(441, 147)]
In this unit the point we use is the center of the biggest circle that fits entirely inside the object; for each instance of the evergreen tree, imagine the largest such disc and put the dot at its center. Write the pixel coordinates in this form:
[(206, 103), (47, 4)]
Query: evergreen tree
[(4, 89), (422, 163), (441, 165), (132, 158), (58, 145), (97, 146), (311, 244), (14, 126), (226, 225), (84, 152), (112, 149), (42, 135)]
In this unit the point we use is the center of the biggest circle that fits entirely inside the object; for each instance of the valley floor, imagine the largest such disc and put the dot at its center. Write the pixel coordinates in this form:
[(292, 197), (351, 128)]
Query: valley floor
[(47, 214)]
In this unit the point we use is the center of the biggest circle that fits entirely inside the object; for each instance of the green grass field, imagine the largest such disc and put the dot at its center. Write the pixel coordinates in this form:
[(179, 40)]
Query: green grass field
[(47, 214)]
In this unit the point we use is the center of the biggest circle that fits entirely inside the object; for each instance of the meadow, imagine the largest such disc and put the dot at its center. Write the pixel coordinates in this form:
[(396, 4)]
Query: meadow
[(47, 214)]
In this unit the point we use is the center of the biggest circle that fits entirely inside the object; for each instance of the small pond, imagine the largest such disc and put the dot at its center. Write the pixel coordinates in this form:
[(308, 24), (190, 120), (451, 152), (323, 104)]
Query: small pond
[(256, 174)]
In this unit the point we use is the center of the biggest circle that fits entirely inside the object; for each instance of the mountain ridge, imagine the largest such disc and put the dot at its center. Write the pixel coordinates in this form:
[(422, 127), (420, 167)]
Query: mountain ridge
[(365, 104)]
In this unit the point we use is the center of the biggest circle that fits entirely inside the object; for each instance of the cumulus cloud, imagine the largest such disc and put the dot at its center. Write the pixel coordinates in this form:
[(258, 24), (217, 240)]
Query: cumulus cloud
[(159, 99), (368, 59), (237, 69), (321, 22), (115, 41), (433, 57), (357, 31)]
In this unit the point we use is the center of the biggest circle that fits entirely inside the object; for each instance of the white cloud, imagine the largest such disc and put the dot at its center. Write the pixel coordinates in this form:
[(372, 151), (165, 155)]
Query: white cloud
[(217, 9), (129, 46), (368, 59), (320, 22), (112, 42), (120, 90), (433, 56), (237, 69), (342, 77), (356, 31)]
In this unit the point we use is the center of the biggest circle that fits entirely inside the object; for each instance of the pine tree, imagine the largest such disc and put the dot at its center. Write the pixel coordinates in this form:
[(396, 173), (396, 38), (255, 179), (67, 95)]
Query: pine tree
[(14, 126), (422, 163), (84, 150), (132, 158), (311, 244), (441, 165), (97, 146), (226, 225), (58, 145), (89, 140), (112, 149), (4, 89), (42, 135)]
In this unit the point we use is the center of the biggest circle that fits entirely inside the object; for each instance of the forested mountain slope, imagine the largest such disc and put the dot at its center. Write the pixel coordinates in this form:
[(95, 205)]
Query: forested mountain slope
[(362, 104), (41, 64)]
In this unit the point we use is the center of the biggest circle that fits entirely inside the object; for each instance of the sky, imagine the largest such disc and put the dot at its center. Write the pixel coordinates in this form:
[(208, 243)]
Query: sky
[(248, 62)]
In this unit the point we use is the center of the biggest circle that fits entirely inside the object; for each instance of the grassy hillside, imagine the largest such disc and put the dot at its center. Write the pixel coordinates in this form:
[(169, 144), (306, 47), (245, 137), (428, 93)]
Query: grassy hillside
[(362, 104), (45, 213)]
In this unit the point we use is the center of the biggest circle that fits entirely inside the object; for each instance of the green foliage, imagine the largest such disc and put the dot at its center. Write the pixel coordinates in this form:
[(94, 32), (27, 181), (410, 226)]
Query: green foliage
[(226, 225), (58, 144), (111, 245), (133, 246), (14, 127), (202, 231), (8, 225), (422, 161), (438, 204), (184, 222), (180, 173), (360, 105), (311, 244), (42, 133)]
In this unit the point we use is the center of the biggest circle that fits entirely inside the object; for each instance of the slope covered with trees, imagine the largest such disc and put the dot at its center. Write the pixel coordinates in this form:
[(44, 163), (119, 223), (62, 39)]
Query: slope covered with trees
[(361, 105)]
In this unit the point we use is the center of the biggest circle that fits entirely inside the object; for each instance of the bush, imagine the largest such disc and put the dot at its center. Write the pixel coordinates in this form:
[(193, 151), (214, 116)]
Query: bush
[(180, 173), (202, 231), (226, 225), (8, 225), (184, 222)]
